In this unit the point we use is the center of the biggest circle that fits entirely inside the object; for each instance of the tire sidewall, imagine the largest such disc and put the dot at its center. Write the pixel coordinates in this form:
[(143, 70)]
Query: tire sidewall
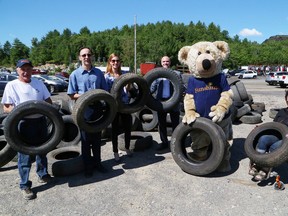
[(274, 158), (218, 145), (140, 100), (82, 103), (13, 136), (175, 80)]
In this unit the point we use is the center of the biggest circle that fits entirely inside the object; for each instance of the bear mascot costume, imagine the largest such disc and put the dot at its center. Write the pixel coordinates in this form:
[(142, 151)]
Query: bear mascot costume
[(208, 95)]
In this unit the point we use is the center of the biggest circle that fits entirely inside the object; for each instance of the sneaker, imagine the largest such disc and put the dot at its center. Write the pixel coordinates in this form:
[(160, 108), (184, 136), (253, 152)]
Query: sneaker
[(129, 153), (45, 179), (261, 176), (116, 157), (28, 194), (253, 171)]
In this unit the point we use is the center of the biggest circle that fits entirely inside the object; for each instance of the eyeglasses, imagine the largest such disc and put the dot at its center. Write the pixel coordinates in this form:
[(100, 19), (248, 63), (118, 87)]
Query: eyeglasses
[(88, 55), (114, 60)]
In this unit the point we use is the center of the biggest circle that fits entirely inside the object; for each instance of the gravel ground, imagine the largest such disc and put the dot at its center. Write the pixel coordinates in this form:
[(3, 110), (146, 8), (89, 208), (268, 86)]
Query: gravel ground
[(153, 184)]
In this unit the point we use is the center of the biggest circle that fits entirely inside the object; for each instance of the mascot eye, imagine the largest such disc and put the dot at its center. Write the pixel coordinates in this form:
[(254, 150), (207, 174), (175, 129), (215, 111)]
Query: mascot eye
[(199, 53), (207, 51)]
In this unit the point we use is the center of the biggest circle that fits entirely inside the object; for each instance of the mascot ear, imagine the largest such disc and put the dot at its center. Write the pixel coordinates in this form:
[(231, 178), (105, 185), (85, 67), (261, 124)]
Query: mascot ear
[(223, 48), (183, 54)]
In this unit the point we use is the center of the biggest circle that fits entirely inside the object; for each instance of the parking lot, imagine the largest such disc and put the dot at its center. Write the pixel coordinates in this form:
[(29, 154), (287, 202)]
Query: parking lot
[(153, 184)]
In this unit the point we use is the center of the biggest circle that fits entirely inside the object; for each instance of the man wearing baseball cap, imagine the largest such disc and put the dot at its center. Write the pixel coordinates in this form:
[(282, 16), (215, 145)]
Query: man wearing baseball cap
[(17, 91), (22, 62)]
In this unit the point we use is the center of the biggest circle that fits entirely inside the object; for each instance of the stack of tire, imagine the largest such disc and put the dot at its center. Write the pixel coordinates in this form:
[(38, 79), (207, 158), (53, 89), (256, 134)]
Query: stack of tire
[(147, 116), (244, 109), (62, 145)]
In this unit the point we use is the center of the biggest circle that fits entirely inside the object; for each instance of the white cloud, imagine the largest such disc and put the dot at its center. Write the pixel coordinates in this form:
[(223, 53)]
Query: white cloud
[(249, 32)]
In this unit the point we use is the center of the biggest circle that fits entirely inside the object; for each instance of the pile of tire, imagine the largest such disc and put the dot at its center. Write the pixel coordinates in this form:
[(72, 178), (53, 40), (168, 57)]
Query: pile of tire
[(147, 116), (63, 133), (244, 109)]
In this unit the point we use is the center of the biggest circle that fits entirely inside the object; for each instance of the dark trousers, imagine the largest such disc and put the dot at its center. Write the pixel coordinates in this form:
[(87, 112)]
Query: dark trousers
[(126, 120), (91, 141), (162, 124)]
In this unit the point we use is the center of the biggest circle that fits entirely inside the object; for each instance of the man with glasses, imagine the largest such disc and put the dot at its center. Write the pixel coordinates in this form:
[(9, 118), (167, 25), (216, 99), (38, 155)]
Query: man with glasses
[(81, 80)]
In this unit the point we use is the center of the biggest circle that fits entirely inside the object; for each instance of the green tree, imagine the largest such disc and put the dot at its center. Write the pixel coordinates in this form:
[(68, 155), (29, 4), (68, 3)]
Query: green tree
[(18, 51)]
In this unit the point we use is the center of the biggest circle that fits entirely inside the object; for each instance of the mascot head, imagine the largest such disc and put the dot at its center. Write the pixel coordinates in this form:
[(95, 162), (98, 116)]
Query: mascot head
[(204, 59)]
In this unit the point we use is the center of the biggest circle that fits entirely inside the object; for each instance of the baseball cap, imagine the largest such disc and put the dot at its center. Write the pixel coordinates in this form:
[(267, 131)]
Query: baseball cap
[(22, 62)]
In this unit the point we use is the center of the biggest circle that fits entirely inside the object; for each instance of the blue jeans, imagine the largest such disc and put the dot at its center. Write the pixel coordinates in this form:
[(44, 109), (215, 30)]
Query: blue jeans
[(24, 167), (34, 131), (268, 143)]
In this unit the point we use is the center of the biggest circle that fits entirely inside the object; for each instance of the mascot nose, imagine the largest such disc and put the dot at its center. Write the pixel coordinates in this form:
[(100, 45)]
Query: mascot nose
[(206, 64)]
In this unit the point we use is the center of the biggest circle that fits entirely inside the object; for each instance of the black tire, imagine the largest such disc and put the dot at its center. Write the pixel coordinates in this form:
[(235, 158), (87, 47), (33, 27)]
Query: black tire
[(242, 91), (258, 107), (233, 110), (147, 124), (139, 141), (15, 139), (65, 161), (274, 158), (243, 110), (179, 153), (238, 104), (140, 98), (62, 106), (273, 112), (251, 118), (232, 82), (185, 78), (177, 94), (236, 95), (107, 112), (71, 135), (2, 117), (7, 153)]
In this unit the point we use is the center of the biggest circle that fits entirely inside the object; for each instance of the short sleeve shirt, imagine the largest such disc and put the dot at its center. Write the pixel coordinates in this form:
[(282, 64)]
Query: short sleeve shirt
[(207, 92), (81, 81), (17, 92)]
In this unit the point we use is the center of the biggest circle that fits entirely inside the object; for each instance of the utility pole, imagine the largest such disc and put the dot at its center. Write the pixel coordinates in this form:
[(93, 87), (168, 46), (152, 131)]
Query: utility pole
[(135, 44)]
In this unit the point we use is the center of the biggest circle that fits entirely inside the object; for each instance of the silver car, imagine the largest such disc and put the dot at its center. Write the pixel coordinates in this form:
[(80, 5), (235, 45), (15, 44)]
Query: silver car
[(53, 84)]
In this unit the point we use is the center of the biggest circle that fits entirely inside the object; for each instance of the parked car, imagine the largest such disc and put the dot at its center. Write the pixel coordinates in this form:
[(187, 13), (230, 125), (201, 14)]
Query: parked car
[(234, 72), (54, 85), (63, 73), (247, 74), (282, 79), (4, 79), (62, 78), (271, 78)]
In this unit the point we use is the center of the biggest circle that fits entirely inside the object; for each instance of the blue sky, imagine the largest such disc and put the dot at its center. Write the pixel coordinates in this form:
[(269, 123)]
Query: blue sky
[(256, 20)]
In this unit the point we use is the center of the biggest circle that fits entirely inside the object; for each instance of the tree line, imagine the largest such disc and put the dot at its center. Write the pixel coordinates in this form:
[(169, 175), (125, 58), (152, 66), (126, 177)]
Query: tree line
[(153, 41)]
